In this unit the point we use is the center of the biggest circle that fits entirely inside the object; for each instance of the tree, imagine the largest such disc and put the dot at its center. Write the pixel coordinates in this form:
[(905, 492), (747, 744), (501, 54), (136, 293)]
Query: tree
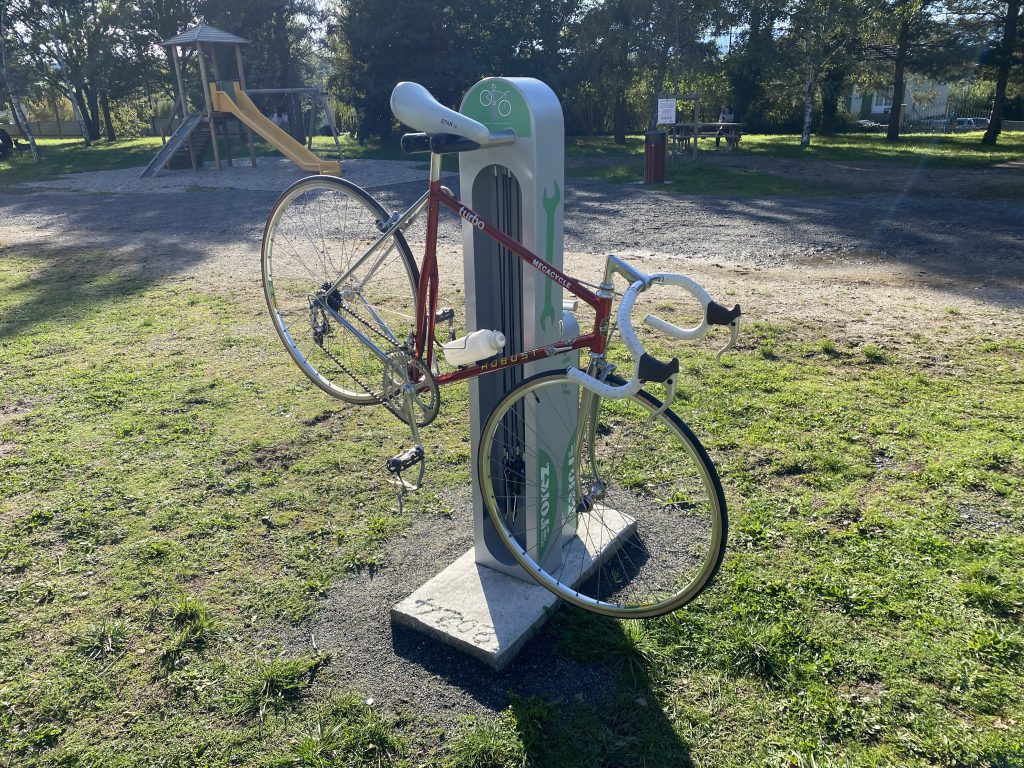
[(906, 14), (612, 35), (1005, 57), (80, 39), (755, 59), (832, 87), (279, 31), (635, 45), (923, 41), (678, 40), (821, 31), (12, 81), (446, 46)]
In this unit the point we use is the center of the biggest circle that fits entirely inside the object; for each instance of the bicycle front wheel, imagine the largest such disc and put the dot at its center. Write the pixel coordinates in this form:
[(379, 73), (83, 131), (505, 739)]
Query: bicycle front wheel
[(612, 511), (318, 233)]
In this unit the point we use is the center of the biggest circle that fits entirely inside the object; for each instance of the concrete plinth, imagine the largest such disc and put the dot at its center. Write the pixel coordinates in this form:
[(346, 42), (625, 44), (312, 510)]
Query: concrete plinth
[(490, 615)]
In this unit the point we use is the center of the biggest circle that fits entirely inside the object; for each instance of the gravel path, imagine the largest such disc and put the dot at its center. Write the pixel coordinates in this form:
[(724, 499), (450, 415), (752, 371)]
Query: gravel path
[(205, 213), (270, 174), (853, 268)]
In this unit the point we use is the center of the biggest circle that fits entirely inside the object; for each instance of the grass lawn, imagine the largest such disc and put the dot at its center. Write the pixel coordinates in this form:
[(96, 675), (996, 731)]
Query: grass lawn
[(958, 150), (599, 157), (174, 499), (700, 177), (62, 156), (936, 150)]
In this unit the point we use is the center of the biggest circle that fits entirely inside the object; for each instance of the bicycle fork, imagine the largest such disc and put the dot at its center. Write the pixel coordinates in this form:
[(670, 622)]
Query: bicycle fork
[(588, 494)]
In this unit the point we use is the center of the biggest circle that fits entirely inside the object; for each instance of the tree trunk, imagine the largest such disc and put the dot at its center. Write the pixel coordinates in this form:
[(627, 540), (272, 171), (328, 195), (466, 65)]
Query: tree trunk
[(831, 90), (73, 97), (619, 118), (16, 110), (56, 114), (902, 42), (659, 82), (76, 106), (93, 113), (90, 127), (995, 121), (108, 124), (810, 86), (21, 120)]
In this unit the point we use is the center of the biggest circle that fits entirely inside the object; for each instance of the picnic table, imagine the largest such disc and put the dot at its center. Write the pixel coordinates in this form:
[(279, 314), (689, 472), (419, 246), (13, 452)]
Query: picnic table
[(683, 133)]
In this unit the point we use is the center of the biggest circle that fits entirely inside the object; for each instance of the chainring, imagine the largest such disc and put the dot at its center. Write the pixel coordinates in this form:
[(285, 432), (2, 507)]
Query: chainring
[(403, 368)]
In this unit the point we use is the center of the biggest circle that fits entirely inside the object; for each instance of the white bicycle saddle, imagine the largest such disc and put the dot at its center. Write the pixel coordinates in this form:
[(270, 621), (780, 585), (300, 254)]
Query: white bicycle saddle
[(413, 105)]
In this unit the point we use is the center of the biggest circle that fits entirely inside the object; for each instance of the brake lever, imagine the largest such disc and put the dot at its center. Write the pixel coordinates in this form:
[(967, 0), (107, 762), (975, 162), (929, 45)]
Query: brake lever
[(734, 329), (670, 395)]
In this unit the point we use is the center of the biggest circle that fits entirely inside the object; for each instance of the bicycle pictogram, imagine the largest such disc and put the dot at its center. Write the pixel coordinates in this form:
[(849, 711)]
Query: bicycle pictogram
[(497, 101)]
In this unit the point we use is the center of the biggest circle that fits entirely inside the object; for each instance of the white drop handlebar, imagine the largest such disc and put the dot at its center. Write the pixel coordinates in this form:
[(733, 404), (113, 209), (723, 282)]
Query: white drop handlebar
[(633, 343)]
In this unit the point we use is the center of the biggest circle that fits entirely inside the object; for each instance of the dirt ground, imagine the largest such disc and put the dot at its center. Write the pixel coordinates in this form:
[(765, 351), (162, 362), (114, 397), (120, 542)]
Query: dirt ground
[(860, 267), (857, 269)]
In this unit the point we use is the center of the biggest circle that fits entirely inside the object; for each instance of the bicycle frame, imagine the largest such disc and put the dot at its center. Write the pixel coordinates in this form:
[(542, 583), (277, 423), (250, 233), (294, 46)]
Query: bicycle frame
[(433, 199)]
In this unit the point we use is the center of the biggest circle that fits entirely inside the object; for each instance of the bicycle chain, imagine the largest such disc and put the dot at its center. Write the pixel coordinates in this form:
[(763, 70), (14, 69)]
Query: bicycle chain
[(394, 348), (354, 378)]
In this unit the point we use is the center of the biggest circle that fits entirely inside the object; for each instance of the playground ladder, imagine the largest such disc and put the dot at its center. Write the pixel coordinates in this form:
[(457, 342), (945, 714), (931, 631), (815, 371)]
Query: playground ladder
[(177, 140)]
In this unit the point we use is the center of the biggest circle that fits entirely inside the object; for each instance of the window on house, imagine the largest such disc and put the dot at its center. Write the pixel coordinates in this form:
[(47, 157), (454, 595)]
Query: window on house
[(881, 102)]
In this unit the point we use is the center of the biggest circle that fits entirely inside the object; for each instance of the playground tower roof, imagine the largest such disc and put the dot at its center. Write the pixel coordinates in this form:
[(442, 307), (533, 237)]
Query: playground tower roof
[(204, 33)]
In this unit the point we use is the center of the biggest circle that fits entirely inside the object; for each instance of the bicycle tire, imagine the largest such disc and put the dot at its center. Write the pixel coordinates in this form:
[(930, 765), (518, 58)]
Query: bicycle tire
[(316, 230), (664, 482)]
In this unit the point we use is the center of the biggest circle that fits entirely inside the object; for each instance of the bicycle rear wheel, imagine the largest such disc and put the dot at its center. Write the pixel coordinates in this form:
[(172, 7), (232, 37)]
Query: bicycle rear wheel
[(625, 518), (318, 230)]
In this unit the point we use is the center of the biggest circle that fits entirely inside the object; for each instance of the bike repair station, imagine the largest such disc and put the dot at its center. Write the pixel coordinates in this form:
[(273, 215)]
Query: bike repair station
[(484, 603)]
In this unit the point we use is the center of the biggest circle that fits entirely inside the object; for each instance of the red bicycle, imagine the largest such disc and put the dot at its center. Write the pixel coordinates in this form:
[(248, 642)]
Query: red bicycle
[(641, 517)]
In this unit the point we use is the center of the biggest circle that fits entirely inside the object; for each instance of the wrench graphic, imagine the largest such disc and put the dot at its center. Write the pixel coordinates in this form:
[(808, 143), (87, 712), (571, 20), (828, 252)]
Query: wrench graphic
[(547, 315)]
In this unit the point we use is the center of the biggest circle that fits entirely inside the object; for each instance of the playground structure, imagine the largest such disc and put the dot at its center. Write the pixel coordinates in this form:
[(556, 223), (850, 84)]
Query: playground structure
[(229, 98)]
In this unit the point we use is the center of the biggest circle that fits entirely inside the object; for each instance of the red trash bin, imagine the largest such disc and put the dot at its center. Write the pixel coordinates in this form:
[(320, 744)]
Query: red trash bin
[(654, 157)]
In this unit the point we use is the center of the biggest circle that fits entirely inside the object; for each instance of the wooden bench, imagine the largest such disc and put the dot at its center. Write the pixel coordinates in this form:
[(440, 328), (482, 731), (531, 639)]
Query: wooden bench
[(683, 133)]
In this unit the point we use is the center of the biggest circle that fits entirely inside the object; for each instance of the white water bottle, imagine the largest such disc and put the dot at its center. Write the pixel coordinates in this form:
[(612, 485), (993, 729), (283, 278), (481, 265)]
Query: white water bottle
[(479, 345)]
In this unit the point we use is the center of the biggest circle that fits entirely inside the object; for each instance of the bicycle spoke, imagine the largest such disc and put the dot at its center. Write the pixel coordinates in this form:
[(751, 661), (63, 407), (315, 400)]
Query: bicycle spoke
[(316, 232)]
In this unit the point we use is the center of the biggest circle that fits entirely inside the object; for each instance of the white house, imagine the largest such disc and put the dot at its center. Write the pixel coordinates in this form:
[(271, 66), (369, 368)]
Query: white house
[(924, 100)]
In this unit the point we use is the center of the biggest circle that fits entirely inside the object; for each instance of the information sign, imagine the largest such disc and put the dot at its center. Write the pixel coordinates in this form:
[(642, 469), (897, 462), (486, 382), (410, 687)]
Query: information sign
[(666, 111)]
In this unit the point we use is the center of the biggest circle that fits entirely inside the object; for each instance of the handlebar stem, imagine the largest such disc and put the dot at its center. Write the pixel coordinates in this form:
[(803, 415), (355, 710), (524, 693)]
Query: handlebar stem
[(616, 266)]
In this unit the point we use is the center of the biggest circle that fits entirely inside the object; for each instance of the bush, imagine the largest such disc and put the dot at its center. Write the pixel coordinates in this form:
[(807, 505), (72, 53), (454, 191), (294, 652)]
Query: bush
[(128, 118)]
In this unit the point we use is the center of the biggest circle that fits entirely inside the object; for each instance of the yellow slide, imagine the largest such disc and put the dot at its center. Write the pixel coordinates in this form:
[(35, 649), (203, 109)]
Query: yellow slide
[(235, 101)]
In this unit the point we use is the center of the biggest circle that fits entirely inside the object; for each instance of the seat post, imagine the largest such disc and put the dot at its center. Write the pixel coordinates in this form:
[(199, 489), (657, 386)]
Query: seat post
[(435, 167)]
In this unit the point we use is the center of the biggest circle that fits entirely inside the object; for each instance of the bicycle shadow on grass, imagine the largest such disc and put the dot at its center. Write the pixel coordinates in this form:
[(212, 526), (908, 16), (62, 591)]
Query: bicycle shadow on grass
[(580, 692)]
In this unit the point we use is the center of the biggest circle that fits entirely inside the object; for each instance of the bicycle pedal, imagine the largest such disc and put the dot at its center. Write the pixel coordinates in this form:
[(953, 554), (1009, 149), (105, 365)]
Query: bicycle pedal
[(396, 465), (406, 459), (446, 315)]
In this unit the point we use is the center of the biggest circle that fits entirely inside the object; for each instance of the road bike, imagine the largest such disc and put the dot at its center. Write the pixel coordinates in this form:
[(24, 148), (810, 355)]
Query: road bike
[(641, 520)]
